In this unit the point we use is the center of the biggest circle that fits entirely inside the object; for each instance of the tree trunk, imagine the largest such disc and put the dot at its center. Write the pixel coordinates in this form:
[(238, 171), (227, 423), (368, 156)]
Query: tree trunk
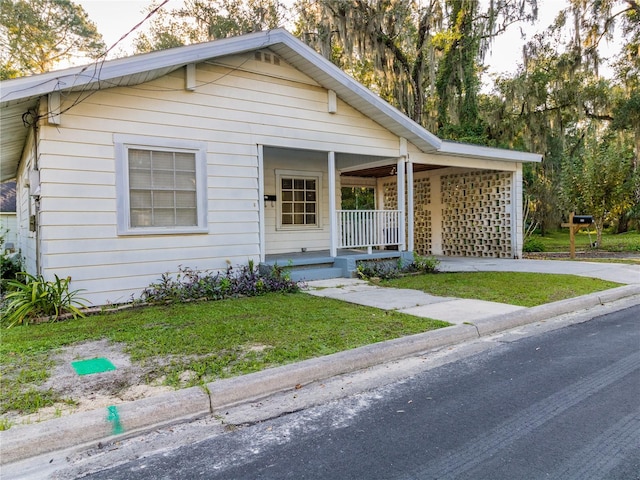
[(599, 227), (623, 223)]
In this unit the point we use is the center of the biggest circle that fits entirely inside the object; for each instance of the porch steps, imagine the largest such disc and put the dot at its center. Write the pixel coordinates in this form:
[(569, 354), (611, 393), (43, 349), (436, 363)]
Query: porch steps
[(309, 274), (309, 268)]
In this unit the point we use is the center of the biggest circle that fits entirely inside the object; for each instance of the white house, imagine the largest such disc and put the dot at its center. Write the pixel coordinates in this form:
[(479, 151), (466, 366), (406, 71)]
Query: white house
[(234, 150)]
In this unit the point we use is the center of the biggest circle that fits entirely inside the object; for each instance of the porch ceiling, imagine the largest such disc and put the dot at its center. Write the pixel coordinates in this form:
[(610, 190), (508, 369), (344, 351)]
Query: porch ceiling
[(387, 170)]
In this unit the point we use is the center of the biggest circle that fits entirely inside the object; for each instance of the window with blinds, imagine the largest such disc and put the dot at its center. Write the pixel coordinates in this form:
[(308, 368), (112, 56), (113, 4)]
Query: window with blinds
[(162, 189), (161, 185)]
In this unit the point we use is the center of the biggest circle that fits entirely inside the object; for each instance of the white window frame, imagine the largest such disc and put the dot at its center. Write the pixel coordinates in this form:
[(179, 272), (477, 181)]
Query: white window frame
[(307, 175), (122, 145)]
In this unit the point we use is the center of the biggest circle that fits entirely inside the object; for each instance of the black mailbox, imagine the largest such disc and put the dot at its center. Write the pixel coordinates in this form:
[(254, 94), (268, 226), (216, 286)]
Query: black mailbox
[(582, 219)]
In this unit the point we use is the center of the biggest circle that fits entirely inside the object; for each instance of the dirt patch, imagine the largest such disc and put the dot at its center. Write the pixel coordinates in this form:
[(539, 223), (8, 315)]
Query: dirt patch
[(128, 382), (89, 392)]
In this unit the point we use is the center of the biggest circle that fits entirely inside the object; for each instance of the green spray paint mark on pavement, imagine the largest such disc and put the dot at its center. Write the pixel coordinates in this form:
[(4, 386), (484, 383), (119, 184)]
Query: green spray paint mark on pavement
[(114, 418), (95, 365)]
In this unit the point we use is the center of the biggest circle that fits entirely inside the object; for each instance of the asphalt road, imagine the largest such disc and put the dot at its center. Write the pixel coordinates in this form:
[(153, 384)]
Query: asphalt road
[(563, 404)]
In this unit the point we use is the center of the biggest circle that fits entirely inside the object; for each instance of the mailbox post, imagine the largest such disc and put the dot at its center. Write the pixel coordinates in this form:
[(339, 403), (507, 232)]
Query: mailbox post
[(576, 222)]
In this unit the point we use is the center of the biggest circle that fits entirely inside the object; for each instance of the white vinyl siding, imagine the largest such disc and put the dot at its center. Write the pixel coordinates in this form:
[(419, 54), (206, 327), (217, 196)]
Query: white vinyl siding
[(224, 119), (25, 208), (160, 187)]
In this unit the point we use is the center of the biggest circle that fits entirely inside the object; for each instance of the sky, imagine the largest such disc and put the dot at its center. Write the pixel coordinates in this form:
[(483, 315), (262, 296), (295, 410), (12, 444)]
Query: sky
[(116, 17)]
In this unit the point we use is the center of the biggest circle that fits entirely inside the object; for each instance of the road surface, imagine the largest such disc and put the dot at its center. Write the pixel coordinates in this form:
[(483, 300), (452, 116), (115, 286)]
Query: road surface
[(562, 404)]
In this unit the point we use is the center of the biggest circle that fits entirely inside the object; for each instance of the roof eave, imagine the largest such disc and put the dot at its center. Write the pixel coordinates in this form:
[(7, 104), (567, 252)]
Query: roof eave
[(94, 73), (487, 153), (332, 77)]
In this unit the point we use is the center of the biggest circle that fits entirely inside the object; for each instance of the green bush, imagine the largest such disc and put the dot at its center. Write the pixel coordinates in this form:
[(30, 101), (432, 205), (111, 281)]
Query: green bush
[(424, 264), (533, 245), (190, 284), (10, 266), (35, 297), (383, 269), (387, 269)]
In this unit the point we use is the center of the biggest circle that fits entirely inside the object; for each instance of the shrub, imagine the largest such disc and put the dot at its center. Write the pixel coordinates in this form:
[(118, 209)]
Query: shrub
[(423, 264), (533, 245), (35, 297), (190, 284), (383, 269), (10, 266), (388, 269)]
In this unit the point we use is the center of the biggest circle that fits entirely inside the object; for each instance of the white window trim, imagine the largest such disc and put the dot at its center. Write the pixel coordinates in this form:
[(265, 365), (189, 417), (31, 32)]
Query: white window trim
[(122, 144), (317, 176)]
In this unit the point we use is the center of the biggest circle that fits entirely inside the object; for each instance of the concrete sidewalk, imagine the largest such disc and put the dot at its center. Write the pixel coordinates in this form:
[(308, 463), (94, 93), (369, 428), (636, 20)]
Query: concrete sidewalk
[(614, 272), (456, 310), (472, 319), (414, 302)]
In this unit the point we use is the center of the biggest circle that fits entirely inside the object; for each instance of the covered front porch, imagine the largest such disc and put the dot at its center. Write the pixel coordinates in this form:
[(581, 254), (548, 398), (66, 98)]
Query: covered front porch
[(436, 206), (303, 208)]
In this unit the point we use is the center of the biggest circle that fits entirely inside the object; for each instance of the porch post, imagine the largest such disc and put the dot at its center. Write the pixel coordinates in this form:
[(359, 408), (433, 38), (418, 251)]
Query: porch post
[(517, 214), (401, 204), (261, 240), (333, 247), (410, 226)]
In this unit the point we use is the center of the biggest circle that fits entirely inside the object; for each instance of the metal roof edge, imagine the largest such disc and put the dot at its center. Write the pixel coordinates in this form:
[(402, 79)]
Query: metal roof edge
[(42, 84), (87, 75), (348, 82), (491, 153)]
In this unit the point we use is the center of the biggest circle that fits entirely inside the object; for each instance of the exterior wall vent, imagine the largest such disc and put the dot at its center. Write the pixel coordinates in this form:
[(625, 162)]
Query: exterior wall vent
[(267, 57)]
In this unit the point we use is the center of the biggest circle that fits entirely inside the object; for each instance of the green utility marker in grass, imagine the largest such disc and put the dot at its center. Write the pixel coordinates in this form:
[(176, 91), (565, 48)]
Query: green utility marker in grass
[(95, 365)]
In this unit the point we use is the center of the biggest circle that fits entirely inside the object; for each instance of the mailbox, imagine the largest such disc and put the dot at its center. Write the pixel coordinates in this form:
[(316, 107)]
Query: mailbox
[(582, 219)]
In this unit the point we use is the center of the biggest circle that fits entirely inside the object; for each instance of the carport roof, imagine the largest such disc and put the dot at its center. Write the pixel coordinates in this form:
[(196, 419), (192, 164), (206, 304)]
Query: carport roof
[(17, 96)]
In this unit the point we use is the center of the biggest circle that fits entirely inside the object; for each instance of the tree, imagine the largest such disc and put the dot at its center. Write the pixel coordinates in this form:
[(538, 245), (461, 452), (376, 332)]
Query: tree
[(557, 102), (204, 20), (37, 35), (416, 55), (458, 82), (598, 182)]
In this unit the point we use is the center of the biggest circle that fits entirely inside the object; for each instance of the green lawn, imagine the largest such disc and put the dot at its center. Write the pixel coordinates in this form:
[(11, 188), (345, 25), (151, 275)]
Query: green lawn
[(236, 336), (213, 339), (558, 241), (516, 288)]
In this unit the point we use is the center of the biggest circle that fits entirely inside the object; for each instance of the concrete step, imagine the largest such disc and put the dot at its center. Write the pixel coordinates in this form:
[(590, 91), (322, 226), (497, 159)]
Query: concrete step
[(309, 274)]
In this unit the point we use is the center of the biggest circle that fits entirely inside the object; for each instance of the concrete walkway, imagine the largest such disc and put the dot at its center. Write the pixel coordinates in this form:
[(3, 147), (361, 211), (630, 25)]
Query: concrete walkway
[(413, 302), (456, 310), (614, 272)]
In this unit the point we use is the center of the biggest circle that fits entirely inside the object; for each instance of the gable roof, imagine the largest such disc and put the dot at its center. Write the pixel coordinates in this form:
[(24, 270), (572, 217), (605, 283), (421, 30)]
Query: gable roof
[(19, 95)]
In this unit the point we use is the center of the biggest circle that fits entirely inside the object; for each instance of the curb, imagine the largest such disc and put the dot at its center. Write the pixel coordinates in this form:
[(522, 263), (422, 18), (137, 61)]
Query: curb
[(130, 418), (550, 310)]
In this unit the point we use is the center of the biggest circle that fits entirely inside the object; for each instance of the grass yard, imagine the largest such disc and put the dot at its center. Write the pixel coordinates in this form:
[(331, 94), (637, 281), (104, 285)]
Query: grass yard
[(211, 339), (558, 241), (516, 288)]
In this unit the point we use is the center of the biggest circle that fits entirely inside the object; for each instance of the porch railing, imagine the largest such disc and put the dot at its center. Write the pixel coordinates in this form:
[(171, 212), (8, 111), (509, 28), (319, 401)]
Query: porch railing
[(368, 228)]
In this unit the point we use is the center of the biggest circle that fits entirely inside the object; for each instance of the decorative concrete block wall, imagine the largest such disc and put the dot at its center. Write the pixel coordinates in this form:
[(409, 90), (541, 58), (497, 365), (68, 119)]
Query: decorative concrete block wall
[(422, 232), (421, 210), (476, 214), (390, 194)]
